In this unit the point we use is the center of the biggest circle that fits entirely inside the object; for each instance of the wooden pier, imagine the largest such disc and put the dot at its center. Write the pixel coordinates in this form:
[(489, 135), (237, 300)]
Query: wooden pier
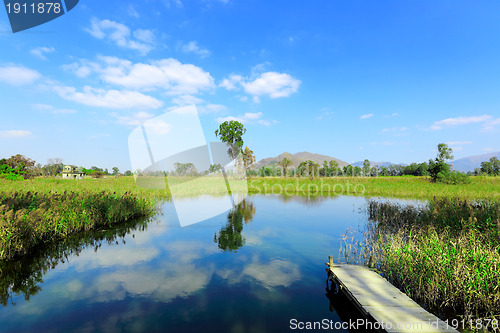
[(376, 298)]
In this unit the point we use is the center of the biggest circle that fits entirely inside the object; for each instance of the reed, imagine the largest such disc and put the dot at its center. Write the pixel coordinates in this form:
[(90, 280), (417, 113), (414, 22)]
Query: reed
[(445, 255), (30, 219)]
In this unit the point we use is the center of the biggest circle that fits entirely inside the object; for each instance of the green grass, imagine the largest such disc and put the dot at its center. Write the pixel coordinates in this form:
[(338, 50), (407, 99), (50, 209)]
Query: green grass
[(399, 187), (30, 219), (40, 211), (445, 255)]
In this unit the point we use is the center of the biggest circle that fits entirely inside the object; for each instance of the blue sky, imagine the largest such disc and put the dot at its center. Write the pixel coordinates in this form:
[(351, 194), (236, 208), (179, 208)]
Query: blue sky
[(383, 80)]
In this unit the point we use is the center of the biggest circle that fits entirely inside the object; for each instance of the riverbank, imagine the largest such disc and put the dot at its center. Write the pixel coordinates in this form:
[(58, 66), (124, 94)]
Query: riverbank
[(40, 211)]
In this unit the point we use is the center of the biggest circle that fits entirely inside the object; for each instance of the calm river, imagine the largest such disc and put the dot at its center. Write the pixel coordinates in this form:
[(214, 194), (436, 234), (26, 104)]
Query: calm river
[(253, 269)]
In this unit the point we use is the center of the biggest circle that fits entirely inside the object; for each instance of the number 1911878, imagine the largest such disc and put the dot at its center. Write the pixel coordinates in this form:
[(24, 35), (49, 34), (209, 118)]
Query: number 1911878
[(40, 8)]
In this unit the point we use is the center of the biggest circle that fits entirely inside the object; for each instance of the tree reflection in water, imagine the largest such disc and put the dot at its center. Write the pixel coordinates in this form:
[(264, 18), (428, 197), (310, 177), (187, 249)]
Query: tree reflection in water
[(24, 276), (230, 238)]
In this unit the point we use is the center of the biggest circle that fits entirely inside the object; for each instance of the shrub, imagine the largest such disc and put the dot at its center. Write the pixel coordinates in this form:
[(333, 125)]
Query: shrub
[(452, 177)]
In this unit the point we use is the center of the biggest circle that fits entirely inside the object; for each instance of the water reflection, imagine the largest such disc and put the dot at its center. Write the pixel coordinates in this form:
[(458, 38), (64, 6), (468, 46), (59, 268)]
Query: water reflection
[(24, 276), (264, 268), (230, 238)]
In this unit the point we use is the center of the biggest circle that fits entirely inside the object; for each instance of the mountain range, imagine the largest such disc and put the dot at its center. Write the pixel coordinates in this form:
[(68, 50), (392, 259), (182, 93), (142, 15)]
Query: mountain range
[(472, 162), (463, 164)]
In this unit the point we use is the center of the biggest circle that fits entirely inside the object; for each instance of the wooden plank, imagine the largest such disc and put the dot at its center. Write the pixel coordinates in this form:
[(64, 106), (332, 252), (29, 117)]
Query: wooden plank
[(376, 297)]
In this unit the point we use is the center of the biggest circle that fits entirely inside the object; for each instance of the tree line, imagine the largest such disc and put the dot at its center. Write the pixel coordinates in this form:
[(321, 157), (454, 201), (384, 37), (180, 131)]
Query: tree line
[(19, 167)]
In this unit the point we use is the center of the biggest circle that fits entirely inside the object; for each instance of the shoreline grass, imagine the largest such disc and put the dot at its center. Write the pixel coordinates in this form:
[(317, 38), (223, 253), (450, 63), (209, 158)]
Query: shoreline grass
[(397, 187), (32, 219), (445, 255)]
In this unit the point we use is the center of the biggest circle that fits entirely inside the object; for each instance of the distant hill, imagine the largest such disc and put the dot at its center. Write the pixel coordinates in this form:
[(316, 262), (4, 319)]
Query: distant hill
[(472, 162), (298, 158), (379, 164)]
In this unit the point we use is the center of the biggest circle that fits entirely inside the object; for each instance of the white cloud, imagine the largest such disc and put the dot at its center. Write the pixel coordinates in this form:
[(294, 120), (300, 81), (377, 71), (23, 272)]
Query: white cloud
[(145, 35), (192, 47), (272, 84), (488, 126), (18, 75), (232, 82), (459, 121), (50, 109), (115, 99), (366, 116), (135, 119), (40, 52), (80, 70), (15, 134), (169, 75), (249, 117), (120, 34)]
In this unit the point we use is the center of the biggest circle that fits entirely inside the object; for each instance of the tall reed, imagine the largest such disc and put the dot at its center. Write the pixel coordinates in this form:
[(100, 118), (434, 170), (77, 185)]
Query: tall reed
[(30, 219), (445, 255)]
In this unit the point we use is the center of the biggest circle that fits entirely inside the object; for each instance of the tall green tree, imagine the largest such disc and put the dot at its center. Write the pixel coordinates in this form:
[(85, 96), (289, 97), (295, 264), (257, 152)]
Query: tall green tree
[(438, 168), (231, 132)]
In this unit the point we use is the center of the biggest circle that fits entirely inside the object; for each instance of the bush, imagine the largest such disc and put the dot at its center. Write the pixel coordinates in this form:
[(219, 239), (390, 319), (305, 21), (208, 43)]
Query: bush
[(11, 176), (452, 177)]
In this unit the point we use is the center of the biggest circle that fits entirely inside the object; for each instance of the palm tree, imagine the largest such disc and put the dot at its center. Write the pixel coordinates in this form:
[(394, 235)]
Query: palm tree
[(285, 163)]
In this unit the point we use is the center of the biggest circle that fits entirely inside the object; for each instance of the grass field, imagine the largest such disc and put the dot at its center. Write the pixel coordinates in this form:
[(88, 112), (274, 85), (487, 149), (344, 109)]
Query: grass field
[(400, 187)]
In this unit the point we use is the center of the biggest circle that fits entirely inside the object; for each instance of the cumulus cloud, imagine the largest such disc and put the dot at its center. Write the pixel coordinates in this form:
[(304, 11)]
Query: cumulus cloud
[(10, 134), (459, 121), (121, 35), (41, 51), (272, 84), (18, 75), (169, 75), (366, 116), (232, 82), (114, 99), (192, 47)]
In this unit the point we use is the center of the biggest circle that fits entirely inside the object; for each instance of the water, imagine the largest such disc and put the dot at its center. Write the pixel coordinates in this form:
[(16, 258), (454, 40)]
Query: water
[(250, 270)]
